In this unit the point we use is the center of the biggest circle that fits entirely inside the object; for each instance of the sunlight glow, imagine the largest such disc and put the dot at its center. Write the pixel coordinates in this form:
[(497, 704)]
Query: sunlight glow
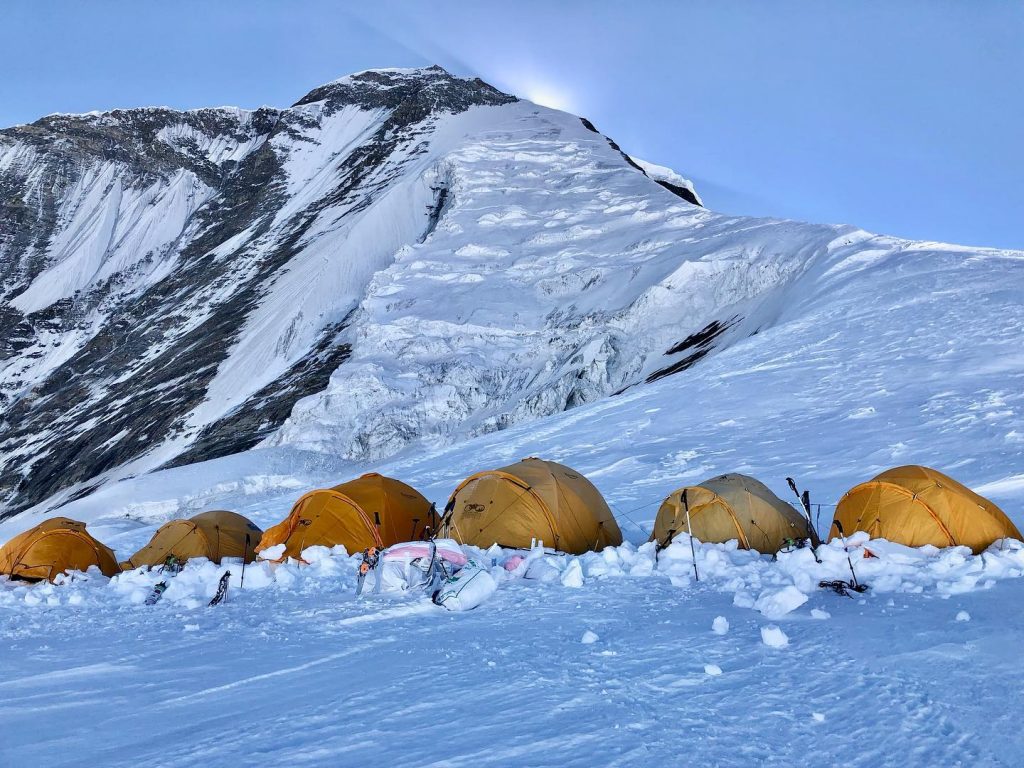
[(546, 95)]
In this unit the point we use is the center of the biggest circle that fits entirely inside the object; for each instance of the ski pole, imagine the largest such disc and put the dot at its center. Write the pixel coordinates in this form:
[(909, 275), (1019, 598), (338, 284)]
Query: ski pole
[(805, 505), (689, 530), (842, 534), (245, 554)]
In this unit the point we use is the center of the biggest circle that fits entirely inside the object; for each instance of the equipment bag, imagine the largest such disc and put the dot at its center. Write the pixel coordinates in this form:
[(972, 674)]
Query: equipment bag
[(466, 589)]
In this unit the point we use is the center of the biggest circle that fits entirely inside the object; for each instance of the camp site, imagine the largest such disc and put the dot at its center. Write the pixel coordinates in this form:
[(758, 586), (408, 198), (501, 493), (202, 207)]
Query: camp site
[(511, 384)]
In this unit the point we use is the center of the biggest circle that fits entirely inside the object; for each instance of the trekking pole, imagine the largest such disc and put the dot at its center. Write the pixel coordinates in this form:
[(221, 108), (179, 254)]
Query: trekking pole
[(842, 534), (689, 530), (805, 505), (245, 554)]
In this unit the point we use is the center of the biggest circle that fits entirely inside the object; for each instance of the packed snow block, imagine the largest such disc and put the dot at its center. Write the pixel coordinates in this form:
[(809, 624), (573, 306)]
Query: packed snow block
[(542, 569), (467, 589), (776, 603), (774, 637), (572, 576)]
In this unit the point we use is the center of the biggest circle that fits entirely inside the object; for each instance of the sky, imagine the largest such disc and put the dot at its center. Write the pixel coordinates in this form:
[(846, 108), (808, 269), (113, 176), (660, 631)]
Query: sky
[(901, 116)]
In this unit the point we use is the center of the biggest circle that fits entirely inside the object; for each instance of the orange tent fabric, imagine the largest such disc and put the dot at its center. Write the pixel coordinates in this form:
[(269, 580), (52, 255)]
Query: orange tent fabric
[(531, 500), (915, 505), (55, 546), (370, 511), (214, 535)]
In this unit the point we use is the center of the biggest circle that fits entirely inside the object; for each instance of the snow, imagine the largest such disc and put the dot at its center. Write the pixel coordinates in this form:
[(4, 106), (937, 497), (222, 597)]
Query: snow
[(299, 661), (661, 173), (774, 637), (108, 228)]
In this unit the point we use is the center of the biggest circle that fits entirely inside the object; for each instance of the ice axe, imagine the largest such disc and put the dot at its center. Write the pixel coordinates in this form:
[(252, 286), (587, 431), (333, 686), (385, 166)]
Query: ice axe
[(805, 505)]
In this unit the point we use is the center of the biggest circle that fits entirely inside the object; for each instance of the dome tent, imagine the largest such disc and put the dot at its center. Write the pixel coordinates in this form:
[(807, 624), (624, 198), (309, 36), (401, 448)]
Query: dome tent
[(531, 500), (370, 511), (213, 535), (55, 546), (730, 507), (915, 505)]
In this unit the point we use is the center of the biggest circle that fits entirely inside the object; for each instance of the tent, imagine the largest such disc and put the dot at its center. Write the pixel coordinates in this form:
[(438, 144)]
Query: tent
[(731, 507), (55, 546), (213, 535), (916, 505), (532, 500), (370, 511)]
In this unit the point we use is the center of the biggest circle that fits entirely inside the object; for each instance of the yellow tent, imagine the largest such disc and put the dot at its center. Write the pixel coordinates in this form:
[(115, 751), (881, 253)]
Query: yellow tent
[(533, 499), (731, 507), (916, 506), (213, 535), (371, 511), (55, 546)]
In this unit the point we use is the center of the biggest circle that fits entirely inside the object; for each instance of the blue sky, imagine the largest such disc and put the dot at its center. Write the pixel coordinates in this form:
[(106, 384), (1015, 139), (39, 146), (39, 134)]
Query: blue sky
[(903, 117)]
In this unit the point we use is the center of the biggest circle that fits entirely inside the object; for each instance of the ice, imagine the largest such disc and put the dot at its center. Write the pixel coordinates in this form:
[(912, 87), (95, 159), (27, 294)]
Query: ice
[(720, 625), (963, 616), (589, 638), (712, 670)]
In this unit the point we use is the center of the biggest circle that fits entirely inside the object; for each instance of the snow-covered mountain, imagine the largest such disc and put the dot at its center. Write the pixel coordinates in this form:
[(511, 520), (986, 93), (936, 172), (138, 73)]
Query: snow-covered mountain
[(402, 255), (415, 274)]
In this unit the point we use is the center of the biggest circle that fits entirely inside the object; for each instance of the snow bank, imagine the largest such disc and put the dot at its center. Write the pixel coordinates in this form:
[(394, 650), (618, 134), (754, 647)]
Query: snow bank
[(782, 586)]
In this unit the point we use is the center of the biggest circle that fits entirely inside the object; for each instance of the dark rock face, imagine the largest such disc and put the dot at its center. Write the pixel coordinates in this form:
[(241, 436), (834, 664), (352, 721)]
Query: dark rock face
[(698, 345), (414, 96), (139, 360)]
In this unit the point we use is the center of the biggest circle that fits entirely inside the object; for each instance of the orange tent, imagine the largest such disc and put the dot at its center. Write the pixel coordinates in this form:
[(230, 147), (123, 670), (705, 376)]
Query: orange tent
[(730, 507), (531, 500), (55, 546), (915, 505), (370, 511), (213, 535)]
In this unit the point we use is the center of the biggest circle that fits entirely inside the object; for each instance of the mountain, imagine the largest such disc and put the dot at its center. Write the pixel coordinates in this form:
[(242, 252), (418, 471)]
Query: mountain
[(401, 257)]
